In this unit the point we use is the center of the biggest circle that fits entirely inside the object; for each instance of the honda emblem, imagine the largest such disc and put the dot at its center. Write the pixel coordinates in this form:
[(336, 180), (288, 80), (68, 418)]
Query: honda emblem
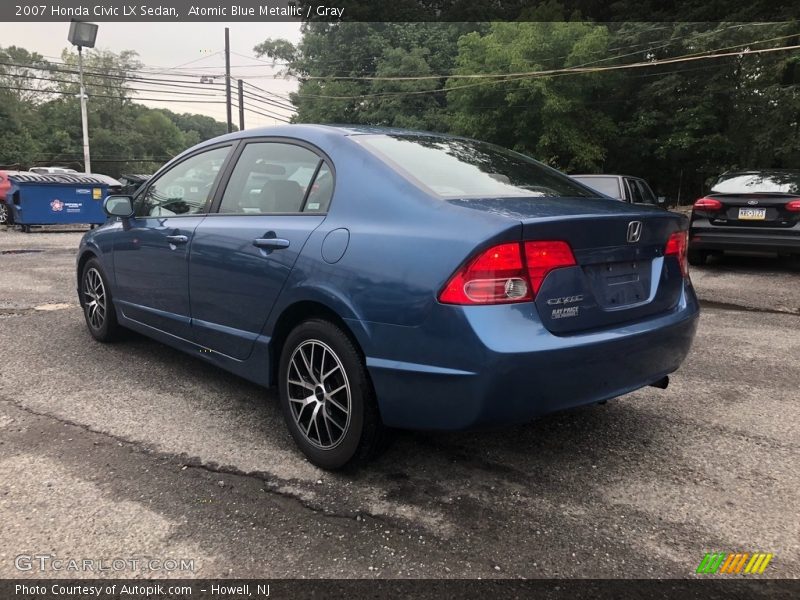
[(634, 231)]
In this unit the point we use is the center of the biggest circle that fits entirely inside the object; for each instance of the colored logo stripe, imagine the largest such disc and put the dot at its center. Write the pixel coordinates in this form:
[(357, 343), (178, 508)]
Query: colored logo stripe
[(758, 563), (733, 563), (711, 562)]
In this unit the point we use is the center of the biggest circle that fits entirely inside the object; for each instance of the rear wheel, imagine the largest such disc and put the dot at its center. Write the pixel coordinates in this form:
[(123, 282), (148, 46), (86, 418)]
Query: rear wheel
[(327, 398), (98, 306), (697, 258), (4, 214)]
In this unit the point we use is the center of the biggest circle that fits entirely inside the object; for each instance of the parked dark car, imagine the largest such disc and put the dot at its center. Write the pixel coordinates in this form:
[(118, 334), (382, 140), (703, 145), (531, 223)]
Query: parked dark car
[(386, 278), (747, 211), (622, 187)]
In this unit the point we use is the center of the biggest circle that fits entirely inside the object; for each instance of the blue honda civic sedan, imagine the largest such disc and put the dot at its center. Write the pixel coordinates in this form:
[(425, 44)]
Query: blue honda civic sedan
[(384, 278)]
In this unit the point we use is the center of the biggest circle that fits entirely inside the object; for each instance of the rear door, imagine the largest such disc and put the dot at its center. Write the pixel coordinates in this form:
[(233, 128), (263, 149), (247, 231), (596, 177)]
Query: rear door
[(151, 253), (277, 194)]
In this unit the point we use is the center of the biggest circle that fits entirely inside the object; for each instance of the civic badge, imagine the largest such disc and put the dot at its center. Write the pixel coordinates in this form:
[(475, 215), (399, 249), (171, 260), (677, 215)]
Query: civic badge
[(634, 231)]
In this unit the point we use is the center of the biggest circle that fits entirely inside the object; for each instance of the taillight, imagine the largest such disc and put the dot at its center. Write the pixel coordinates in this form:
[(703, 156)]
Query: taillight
[(506, 273), (707, 204), (678, 245), (793, 205), (543, 257)]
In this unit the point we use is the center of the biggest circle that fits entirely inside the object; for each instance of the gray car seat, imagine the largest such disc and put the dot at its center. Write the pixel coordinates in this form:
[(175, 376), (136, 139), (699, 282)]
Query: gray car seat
[(281, 196)]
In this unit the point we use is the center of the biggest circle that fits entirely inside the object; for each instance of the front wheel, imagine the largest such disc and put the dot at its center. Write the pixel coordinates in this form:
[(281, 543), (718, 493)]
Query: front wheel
[(327, 398), (5, 214), (97, 304)]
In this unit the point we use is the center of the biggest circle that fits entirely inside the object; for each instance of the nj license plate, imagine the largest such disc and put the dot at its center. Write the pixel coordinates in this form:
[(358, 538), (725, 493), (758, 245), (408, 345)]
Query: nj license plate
[(752, 214)]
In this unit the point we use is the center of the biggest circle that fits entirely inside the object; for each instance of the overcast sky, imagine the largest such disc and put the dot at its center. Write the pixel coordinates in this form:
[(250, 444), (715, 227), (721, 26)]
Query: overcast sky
[(173, 44)]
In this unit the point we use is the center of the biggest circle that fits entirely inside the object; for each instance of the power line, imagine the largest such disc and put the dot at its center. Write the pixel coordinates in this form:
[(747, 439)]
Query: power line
[(576, 68), (555, 72), (150, 80), (264, 100), (264, 112), (113, 87), (282, 97), (173, 100)]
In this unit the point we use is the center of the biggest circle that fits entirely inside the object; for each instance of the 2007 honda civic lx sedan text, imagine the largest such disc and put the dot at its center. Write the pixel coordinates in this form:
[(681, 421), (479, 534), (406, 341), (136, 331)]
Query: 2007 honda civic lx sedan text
[(385, 278)]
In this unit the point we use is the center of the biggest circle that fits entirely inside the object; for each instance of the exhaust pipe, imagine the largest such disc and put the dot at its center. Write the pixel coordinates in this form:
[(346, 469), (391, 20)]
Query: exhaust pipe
[(661, 383)]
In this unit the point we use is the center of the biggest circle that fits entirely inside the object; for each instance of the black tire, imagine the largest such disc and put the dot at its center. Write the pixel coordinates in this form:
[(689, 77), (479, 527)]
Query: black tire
[(97, 303), (348, 438), (697, 258), (5, 214)]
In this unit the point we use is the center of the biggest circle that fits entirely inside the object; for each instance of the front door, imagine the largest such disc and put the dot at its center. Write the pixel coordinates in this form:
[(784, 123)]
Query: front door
[(151, 255)]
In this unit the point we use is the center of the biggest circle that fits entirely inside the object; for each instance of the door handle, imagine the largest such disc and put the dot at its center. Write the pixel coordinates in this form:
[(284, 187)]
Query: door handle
[(271, 243), (177, 239)]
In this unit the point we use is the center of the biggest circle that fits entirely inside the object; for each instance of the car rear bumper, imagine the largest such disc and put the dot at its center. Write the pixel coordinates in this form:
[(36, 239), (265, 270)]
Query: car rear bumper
[(744, 239), (509, 369)]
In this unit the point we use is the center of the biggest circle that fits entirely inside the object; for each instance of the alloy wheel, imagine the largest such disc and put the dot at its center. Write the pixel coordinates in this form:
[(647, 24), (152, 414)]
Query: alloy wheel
[(94, 294), (319, 394)]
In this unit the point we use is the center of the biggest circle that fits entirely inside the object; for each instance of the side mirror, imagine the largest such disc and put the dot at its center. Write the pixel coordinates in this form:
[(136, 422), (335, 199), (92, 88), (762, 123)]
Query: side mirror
[(118, 206), (661, 201)]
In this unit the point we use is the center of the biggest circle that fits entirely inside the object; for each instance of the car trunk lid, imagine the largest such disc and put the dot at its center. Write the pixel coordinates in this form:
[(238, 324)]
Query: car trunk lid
[(752, 210), (621, 272)]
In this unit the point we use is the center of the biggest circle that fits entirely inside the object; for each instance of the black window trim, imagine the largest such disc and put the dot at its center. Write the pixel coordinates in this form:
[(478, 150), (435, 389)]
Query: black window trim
[(244, 142), (232, 144)]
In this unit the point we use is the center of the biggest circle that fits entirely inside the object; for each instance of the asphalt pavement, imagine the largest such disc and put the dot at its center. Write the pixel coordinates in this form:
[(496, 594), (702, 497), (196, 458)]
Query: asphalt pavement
[(136, 451)]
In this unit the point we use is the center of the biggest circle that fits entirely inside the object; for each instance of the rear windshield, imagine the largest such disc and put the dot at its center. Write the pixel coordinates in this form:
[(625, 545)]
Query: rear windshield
[(605, 185), (748, 183), (459, 168)]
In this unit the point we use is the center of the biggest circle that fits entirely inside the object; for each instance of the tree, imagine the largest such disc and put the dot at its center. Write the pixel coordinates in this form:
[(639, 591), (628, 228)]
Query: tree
[(44, 126)]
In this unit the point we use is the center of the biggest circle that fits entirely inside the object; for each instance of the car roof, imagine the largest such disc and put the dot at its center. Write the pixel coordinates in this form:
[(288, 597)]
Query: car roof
[(762, 171), (311, 129), (603, 175)]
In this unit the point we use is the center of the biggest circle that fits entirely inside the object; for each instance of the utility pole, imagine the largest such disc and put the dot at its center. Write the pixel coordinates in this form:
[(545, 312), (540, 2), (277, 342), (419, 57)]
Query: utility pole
[(87, 163), (228, 79), (241, 105)]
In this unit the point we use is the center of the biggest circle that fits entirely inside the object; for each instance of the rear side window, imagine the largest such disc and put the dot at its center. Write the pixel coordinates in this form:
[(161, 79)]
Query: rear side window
[(635, 191), (605, 185), (749, 183), (460, 168), (647, 193), (276, 178)]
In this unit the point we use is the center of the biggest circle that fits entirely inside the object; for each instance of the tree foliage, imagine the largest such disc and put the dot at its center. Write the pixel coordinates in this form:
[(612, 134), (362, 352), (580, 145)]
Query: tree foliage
[(676, 124), (41, 124)]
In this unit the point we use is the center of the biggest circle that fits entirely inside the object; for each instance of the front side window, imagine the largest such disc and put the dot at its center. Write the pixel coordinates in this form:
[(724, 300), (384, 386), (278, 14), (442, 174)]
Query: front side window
[(185, 189), (277, 178), (462, 168)]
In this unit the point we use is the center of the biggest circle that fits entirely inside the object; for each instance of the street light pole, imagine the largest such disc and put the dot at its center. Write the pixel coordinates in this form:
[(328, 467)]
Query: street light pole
[(87, 164), (83, 35)]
